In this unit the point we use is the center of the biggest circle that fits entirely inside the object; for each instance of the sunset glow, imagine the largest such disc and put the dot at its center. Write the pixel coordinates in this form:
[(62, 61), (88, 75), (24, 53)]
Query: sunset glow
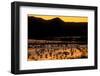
[(64, 18)]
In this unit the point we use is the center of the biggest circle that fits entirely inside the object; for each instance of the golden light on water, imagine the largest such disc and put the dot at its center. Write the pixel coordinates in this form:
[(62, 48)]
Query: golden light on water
[(57, 49)]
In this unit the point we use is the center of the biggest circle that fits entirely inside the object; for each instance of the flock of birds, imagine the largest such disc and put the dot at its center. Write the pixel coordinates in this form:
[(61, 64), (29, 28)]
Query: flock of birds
[(38, 52)]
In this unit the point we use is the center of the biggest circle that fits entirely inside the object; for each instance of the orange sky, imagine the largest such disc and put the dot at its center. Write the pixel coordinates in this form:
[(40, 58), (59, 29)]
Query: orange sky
[(64, 18)]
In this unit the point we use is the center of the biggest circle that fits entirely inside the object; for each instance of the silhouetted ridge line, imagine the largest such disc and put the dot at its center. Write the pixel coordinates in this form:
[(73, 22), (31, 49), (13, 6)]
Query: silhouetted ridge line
[(39, 28), (54, 19)]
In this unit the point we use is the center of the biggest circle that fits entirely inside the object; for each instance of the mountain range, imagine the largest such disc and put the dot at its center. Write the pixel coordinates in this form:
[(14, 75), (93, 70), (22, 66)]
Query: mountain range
[(40, 28)]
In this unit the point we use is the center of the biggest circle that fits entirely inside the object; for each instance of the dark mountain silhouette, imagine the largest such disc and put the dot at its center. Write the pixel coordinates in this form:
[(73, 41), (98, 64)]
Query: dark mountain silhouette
[(39, 28), (58, 20)]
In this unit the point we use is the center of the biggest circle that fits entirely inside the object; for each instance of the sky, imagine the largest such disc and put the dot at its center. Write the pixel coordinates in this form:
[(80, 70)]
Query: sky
[(64, 18)]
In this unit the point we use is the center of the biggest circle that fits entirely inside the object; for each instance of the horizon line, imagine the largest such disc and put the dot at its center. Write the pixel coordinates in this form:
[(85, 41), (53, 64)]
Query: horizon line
[(75, 19)]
